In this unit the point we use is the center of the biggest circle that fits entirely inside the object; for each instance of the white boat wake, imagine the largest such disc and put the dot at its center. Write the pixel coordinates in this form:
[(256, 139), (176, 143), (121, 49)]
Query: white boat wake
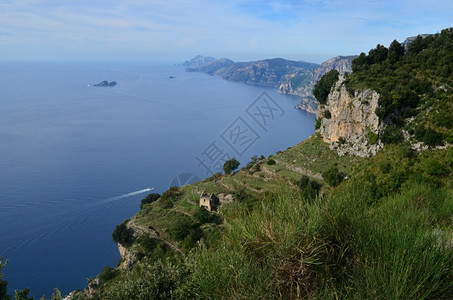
[(130, 194), (122, 196)]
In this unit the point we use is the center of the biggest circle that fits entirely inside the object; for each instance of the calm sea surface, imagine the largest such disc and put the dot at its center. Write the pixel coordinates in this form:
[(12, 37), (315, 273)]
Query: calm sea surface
[(76, 160)]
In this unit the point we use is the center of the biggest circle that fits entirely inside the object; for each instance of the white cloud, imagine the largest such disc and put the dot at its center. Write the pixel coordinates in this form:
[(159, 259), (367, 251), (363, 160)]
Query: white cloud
[(239, 29)]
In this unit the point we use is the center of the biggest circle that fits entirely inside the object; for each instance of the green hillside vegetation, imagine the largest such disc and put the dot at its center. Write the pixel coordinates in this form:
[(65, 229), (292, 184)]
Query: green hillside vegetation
[(384, 232), (415, 86), (306, 223)]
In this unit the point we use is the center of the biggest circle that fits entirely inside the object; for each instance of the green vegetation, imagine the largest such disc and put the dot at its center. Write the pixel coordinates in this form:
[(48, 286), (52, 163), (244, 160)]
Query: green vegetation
[(231, 165), (333, 176), (297, 227), (371, 136), (324, 85), (270, 162), (415, 87), (318, 123), (3, 283), (149, 199), (123, 235), (363, 239)]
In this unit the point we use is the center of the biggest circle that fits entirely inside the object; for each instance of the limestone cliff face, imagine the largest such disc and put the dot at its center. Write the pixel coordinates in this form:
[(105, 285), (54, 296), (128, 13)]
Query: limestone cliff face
[(128, 259), (349, 122)]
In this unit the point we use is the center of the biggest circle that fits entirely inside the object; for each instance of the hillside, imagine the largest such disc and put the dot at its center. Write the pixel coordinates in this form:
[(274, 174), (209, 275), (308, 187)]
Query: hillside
[(394, 96), (363, 209), (313, 221), (290, 77)]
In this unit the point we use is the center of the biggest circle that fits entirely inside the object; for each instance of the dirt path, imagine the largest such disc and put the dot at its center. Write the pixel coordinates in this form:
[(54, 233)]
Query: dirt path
[(151, 233), (299, 170)]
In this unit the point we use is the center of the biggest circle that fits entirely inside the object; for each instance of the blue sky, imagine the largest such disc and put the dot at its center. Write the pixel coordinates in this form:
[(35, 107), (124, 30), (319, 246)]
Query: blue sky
[(173, 31)]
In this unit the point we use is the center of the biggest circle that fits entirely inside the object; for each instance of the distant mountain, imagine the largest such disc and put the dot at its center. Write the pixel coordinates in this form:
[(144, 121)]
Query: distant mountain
[(212, 67), (198, 61), (290, 77), (267, 72)]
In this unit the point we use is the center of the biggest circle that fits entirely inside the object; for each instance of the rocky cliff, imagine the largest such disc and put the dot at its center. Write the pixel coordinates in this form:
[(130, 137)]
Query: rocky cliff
[(348, 122), (342, 64)]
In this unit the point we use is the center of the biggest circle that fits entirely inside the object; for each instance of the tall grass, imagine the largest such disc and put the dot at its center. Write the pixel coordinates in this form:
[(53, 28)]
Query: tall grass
[(344, 246)]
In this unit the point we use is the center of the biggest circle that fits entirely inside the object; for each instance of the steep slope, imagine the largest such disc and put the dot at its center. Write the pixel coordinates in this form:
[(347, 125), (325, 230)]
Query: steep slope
[(412, 103), (307, 223)]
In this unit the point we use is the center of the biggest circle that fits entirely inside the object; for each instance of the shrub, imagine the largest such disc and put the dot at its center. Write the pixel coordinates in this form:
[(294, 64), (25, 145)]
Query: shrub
[(271, 162), (371, 136), (434, 168), (107, 274), (392, 135), (149, 199), (309, 188), (327, 114), (432, 138), (333, 176), (203, 216), (123, 235), (318, 123)]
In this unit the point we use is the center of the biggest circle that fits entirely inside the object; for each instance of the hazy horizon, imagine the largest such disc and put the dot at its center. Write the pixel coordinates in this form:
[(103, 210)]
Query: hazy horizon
[(175, 31)]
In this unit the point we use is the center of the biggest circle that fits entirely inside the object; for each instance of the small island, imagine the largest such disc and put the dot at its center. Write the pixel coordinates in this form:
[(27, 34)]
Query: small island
[(105, 83)]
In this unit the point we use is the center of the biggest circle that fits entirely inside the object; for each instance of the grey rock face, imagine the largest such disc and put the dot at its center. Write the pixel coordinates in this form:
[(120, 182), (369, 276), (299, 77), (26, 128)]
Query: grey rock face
[(352, 122)]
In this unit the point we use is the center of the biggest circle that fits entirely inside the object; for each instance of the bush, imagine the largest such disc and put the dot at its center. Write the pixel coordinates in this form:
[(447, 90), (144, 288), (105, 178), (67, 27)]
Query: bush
[(309, 188), (435, 168), (318, 123), (333, 176), (392, 135), (270, 162), (327, 114), (371, 136), (107, 274), (432, 138), (203, 216), (149, 199), (123, 235)]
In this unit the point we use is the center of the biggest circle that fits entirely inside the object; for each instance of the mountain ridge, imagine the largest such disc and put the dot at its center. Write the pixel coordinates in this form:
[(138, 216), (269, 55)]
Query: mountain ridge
[(288, 76)]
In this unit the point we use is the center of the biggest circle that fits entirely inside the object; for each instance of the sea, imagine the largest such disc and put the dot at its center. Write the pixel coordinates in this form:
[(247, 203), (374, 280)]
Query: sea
[(75, 159)]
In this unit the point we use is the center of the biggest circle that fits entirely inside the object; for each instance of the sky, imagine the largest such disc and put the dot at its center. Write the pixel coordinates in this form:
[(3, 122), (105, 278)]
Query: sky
[(172, 31)]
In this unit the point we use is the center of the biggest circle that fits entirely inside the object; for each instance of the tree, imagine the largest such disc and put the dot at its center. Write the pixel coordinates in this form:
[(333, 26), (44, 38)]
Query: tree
[(22, 294), (231, 165), (323, 86), (359, 62), (378, 55), (396, 51), (123, 235)]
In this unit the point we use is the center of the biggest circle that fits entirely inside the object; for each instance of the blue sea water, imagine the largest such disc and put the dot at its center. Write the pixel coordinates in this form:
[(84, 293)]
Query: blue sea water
[(75, 160)]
